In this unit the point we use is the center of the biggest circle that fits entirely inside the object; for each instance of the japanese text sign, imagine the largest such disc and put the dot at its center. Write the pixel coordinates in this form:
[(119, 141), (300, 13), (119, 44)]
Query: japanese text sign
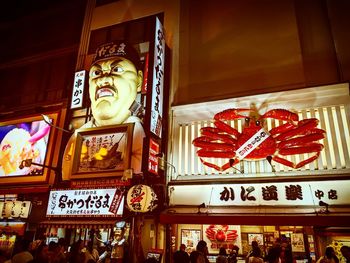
[(15, 209), (288, 194), (85, 202), (78, 90), (158, 80), (153, 159)]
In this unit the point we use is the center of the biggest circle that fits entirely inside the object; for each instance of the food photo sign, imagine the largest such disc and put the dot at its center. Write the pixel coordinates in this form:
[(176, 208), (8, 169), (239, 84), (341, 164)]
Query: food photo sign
[(102, 151), (24, 149), (218, 236)]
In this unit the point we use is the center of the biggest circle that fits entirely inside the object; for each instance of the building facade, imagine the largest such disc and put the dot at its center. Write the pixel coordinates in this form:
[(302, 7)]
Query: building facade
[(219, 55)]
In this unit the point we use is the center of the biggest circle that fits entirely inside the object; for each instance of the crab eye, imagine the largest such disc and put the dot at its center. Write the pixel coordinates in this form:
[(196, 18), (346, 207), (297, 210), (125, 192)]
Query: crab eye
[(257, 123), (247, 120)]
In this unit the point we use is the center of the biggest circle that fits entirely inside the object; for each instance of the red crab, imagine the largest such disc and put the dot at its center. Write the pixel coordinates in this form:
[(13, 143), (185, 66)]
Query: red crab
[(254, 143), (221, 233)]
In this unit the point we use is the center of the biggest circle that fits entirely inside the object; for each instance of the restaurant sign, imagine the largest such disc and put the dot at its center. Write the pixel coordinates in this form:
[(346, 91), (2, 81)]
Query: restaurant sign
[(15, 209), (256, 194), (86, 202)]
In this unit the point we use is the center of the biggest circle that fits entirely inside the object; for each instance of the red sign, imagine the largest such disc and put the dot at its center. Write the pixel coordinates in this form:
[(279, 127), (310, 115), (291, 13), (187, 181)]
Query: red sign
[(153, 159), (118, 196)]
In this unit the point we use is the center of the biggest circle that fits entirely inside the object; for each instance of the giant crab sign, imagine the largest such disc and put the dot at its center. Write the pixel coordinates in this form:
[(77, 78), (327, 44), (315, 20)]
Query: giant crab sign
[(255, 142), (221, 233)]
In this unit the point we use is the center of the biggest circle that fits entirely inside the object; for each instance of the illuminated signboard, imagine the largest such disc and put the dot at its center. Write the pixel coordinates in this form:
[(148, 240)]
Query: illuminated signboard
[(25, 139), (158, 81), (20, 141), (15, 209), (153, 159), (86, 202), (78, 90), (257, 194), (218, 236)]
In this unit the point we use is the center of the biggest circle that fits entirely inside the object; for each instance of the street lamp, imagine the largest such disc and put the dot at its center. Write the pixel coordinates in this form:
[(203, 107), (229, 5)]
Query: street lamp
[(47, 120), (29, 162), (162, 162)]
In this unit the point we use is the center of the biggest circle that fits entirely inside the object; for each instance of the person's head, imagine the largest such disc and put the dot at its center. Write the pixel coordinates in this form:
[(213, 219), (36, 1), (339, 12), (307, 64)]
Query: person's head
[(114, 80), (255, 244), (329, 252), (53, 247), (202, 246), (222, 251), (43, 252), (256, 252), (183, 247), (90, 245), (235, 248), (345, 251)]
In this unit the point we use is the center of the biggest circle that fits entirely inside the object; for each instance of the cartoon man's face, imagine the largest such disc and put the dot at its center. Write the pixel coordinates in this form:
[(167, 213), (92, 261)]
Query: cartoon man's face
[(113, 86)]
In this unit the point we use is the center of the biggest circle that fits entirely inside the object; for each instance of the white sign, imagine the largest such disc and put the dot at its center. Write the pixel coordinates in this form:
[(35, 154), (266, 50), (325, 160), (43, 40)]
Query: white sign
[(252, 143), (158, 80), (15, 209), (268, 194), (78, 90), (85, 202)]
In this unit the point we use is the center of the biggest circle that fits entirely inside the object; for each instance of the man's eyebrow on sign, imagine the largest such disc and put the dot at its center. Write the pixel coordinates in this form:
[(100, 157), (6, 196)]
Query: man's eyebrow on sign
[(116, 62)]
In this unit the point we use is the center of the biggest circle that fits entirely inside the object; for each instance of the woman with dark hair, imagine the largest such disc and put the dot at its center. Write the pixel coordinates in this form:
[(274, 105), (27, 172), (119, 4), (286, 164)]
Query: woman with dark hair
[(255, 256), (76, 255), (329, 256), (200, 254), (91, 252), (42, 254), (222, 257)]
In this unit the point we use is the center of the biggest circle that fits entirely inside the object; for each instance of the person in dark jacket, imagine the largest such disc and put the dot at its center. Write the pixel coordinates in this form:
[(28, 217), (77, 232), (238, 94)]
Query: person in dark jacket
[(181, 255)]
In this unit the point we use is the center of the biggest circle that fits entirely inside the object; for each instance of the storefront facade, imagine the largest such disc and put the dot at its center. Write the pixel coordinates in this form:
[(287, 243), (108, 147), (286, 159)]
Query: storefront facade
[(256, 199)]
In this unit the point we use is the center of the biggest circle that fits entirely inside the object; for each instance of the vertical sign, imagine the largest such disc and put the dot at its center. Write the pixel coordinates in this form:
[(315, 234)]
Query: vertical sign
[(78, 90), (153, 159), (158, 80)]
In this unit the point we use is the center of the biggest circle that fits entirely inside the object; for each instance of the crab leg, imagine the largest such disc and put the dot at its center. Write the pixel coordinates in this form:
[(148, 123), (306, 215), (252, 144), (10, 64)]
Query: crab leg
[(210, 144), (281, 114), (214, 133), (298, 165), (309, 148), (303, 128), (214, 166), (300, 140), (216, 154), (226, 128), (226, 166), (231, 114), (283, 128)]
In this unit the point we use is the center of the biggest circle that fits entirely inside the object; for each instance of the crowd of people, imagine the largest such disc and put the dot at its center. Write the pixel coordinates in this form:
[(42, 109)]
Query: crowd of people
[(57, 252), (280, 252)]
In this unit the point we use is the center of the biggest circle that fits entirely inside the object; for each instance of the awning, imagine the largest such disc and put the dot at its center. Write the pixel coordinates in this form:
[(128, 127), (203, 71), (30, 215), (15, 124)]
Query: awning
[(79, 223)]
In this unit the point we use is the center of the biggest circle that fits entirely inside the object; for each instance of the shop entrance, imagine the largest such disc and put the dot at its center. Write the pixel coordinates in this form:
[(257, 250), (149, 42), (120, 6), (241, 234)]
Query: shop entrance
[(297, 243)]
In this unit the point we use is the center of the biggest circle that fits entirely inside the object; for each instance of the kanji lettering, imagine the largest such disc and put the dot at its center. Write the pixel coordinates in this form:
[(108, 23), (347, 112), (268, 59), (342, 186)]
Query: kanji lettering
[(294, 192), (332, 194), (269, 193), (245, 196), (227, 194)]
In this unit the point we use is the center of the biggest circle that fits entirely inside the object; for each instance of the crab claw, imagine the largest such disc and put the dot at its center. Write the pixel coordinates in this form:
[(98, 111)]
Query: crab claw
[(281, 114), (231, 114)]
